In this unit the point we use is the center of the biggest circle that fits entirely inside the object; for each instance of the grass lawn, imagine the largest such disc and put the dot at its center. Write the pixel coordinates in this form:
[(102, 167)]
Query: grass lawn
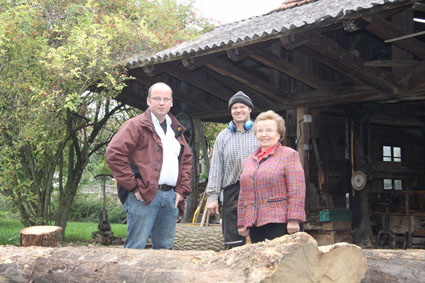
[(76, 232), (9, 232)]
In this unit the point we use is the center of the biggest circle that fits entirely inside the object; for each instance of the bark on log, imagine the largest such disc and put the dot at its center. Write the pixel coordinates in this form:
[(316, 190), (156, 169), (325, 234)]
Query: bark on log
[(45, 236), (394, 266), (293, 258), (200, 238)]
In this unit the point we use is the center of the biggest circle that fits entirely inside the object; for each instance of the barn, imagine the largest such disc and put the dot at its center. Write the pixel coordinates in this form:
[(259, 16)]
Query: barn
[(349, 79)]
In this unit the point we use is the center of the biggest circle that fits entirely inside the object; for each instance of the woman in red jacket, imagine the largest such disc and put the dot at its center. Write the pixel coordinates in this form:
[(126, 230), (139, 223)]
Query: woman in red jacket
[(272, 194)]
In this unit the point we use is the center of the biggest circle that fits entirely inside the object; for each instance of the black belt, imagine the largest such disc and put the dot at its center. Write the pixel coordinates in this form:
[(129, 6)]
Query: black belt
[(165, 188)]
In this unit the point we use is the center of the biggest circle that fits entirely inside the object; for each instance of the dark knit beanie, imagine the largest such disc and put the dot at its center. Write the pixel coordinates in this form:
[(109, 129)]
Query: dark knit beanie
[(241, 98)]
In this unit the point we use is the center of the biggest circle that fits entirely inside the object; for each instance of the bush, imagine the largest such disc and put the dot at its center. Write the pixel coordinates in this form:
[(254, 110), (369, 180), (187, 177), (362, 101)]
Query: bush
[(7, 209), (87, 208)]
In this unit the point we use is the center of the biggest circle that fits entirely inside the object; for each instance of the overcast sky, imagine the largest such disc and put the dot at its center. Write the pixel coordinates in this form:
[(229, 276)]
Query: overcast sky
[(225, 11)]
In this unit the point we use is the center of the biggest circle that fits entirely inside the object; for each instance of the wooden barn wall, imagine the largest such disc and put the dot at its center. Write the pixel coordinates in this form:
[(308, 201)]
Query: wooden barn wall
[(330, 135), (410, 170)]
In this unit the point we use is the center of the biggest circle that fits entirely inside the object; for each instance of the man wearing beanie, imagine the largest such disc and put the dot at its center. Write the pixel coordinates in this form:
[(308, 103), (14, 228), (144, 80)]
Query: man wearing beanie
[(232, 146)]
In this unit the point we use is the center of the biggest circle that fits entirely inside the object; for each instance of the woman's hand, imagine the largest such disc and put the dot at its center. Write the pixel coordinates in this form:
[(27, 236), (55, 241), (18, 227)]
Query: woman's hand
[(244, 232), (293, 226)]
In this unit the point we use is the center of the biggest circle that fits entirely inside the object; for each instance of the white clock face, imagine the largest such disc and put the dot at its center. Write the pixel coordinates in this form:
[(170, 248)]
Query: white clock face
[(358, 181)]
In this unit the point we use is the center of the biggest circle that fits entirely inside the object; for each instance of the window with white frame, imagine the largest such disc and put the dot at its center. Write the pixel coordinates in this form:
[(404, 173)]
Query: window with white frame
[(391, 153), (393, 184)]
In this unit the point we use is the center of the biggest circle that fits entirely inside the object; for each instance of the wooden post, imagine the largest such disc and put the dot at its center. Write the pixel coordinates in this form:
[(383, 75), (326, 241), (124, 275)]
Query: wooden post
[(45, 236), (303, 148), (192, 199)]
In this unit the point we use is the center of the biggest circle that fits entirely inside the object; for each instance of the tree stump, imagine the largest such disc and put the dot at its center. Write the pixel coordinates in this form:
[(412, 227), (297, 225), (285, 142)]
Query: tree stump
[(291, 258), (45, 236)]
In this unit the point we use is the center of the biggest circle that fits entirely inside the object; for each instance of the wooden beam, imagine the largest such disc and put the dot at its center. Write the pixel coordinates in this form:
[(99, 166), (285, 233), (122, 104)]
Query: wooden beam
[(386, 30), (192, 63), (419, 7), (403, 20), (303, 140), (226, 69), (289, 43), (414, 78), (291, 70), (191, 77), (260, 101), (406, 36), (212, 115), (351, 66), (191, 98), (392, 63), (151, 70), (235, 54)]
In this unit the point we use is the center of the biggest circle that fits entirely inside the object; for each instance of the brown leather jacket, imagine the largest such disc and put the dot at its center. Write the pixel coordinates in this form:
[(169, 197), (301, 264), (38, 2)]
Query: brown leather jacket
[(134, 156)]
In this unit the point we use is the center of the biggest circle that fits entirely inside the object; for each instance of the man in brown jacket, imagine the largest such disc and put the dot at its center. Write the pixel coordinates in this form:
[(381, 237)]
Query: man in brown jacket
[(151, 160)]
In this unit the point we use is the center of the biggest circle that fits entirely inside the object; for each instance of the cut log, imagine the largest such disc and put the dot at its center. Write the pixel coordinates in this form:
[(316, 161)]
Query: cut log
[(395, 266), (291, 258), (45, 236), (201, 238)]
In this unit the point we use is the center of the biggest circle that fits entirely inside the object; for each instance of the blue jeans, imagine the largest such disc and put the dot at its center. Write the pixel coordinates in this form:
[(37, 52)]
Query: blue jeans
[(157, 219)]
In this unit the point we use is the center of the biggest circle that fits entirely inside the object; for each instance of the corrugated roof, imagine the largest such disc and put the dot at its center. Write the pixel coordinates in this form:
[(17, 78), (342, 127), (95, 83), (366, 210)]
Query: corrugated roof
[(269, 25)]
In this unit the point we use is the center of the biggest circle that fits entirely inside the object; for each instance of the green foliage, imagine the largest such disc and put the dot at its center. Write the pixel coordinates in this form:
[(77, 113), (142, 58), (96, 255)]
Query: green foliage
[(87, 208), (211, 130), (62, 62), (7, 209)]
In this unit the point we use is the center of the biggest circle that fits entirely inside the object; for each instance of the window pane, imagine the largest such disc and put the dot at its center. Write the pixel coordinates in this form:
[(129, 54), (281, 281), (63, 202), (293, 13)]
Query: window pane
[(388, 184), (387, 159), (387, 150), (398, 185), (397, 159), (397, 151)]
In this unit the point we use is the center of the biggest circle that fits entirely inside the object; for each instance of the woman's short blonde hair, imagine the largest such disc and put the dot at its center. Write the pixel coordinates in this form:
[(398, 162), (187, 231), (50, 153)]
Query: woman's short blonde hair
[(271, 115)]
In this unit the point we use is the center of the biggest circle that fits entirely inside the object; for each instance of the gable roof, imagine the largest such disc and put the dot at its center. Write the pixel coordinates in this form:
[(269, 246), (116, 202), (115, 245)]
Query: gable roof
[(259, 28)]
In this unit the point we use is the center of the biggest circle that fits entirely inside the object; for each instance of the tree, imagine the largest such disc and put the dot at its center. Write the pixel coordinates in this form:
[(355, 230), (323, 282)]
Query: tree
[(61, 65)]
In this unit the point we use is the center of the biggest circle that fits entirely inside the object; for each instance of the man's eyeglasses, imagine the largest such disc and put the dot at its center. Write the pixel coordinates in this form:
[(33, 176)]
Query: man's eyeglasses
[(266, 131), (158, 99)]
